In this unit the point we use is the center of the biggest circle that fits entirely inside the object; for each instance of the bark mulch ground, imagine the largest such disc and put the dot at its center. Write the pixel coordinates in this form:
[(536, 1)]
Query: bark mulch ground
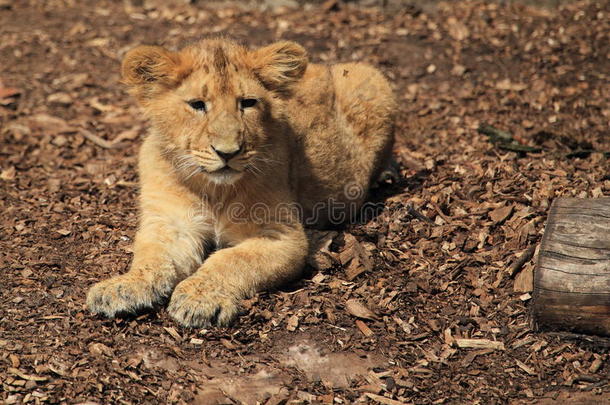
[(421, 303)]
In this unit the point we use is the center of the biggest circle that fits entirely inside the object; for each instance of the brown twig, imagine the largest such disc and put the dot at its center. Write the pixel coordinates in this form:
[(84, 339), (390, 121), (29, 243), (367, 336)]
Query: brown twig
[(96, 139), (520, 261), (416, 214), (441, 213), (115, 143)]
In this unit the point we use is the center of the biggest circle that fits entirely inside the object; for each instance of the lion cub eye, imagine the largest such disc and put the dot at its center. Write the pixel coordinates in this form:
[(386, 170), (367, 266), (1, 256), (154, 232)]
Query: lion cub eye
[(198, 105), (247, 103)]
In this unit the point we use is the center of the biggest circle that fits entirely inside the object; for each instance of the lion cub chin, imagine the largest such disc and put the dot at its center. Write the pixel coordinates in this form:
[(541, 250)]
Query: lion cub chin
[(246, 148)]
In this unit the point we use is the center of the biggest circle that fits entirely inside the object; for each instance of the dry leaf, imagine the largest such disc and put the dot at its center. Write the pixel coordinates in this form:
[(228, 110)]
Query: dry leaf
[(97, 349), (354, 269), (524, 280), (358, 309), (501, 214), (353, 250), (8, 174), (320, 257), (293, 323)]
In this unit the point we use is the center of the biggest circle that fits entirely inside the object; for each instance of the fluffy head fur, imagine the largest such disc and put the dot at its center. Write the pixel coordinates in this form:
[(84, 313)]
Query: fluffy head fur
[(214, 99)]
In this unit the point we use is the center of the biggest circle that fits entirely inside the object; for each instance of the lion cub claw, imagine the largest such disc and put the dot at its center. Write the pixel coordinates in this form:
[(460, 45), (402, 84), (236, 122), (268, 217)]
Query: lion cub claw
[(198, 302), (122, 294)]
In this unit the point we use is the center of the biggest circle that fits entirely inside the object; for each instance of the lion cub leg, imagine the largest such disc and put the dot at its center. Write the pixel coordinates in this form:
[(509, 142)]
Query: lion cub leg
[(169, 246), (212, 294)]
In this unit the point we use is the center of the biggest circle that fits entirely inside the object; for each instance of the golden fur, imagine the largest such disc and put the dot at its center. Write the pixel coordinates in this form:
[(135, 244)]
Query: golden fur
[(245, 145)]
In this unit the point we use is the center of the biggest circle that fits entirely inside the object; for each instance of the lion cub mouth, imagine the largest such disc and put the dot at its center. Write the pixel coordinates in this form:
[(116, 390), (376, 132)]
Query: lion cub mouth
[(224, 175)]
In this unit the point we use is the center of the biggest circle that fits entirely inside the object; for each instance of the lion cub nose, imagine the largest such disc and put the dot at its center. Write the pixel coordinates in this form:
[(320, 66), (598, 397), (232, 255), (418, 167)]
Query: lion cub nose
[(227, 155)]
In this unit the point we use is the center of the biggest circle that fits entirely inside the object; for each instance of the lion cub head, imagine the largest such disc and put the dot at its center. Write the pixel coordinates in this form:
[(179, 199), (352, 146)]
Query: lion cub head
[(215, 104)]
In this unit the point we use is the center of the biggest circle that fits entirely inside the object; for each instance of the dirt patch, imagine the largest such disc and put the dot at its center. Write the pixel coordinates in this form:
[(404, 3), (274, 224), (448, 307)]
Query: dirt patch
[(251, 389), (333, 370)]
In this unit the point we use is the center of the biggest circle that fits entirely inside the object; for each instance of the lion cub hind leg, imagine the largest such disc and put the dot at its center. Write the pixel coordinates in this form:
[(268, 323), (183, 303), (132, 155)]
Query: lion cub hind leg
[(212, 295)]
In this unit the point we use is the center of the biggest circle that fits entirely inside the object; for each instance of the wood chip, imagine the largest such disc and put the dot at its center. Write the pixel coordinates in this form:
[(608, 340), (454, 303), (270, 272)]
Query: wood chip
[(449, 339), (470, 356), (523, 342), (49, 124), (595, 365), (366, 331), (228, 344), (525, 368), (15, 362), (173, 333), (28, 377), (384, 400), (479, 344)]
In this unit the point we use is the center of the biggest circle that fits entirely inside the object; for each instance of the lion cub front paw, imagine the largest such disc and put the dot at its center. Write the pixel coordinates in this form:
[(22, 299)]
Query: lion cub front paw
[(198, 302), (122, 294)]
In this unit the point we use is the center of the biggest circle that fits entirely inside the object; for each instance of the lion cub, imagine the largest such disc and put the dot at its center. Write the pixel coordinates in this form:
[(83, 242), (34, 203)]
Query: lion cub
[(245, 148)]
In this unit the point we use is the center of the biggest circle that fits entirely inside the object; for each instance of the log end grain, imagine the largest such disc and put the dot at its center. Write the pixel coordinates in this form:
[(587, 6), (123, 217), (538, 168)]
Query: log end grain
[(572, 276)]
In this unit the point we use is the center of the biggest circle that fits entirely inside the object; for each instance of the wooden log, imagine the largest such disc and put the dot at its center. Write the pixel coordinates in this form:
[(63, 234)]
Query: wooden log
[(572, 276)]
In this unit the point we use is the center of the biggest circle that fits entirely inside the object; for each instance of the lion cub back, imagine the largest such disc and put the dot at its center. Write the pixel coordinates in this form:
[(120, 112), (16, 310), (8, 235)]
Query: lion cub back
[(343, 118)]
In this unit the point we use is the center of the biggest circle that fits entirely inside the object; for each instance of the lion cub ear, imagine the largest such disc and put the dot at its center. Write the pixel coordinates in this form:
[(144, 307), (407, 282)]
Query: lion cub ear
[(149, 68), (280, 65)]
